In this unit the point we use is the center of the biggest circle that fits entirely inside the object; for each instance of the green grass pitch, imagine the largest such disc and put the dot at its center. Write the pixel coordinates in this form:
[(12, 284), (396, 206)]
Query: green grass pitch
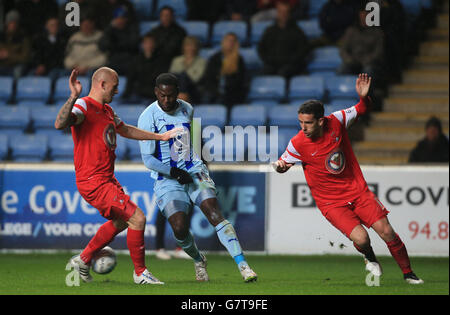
[(278, 275)]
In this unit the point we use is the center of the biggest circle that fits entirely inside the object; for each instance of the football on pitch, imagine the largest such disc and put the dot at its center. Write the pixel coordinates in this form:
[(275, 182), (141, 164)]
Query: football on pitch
[(104, 261)]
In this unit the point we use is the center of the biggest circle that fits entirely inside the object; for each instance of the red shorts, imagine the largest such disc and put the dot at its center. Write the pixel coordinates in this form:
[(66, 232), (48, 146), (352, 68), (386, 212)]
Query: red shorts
[(367, 210), (108, 197)]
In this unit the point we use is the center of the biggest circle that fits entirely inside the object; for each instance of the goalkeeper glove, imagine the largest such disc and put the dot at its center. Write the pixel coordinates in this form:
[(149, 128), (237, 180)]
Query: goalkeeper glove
[(181, 176)]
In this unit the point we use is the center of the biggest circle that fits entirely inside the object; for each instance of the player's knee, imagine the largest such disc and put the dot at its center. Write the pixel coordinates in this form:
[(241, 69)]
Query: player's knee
[(387, 233), (360, 238), (138, 220)]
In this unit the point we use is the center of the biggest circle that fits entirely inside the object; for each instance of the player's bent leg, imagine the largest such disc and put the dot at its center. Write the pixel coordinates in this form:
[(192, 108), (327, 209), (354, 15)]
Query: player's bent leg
[(397, 249), (361, 242), (136, 247), (227, 236), (176, 211)]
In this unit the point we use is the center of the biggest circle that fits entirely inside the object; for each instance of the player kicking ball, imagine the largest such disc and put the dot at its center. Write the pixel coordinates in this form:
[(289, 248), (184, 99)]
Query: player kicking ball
[(336, 181), (181, 177), (94, 125)]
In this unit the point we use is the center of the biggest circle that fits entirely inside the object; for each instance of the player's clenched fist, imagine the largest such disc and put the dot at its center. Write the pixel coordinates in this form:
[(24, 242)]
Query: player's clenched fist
[(281, 166)]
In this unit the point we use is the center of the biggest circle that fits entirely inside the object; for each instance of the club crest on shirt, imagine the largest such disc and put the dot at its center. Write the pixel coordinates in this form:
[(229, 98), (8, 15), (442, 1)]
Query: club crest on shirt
[(109, 136), (335, 162)]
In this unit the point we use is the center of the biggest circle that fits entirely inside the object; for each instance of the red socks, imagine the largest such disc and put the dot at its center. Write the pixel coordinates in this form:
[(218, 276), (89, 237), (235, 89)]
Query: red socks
[(106, 233), (135, 243), (400, 254), (103, 237)]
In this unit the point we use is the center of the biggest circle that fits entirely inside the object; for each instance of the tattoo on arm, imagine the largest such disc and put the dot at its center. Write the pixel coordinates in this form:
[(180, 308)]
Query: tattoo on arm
[(64, 117)]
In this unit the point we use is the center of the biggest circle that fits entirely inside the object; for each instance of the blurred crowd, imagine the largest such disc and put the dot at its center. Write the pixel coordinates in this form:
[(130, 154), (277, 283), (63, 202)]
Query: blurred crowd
[(35, 40)]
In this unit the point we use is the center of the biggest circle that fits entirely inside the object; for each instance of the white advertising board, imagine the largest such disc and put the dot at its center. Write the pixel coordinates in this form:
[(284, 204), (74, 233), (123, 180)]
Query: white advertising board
[(417, 198)]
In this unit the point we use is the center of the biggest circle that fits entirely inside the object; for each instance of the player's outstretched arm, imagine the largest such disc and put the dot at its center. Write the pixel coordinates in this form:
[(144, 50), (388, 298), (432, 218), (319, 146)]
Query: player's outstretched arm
[(132, 132), (65, 118)]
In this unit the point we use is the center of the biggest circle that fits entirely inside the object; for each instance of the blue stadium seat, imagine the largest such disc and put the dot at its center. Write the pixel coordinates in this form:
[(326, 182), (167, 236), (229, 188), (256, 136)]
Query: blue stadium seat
[(29, 148), (285, 134), (207, 53), (221, 28), (14, 118), (6, 88), (341, 87), (129, 113), (62, 89), (268, 104), (43, 118), (61, 148), (33, 88), (315, 7), (311, 28), (257, 31), (32, 104), (284, 116), (3, 147), (306, 87), (199, 29), (144, 9), (147, 26), (211, 114), (325, 59), (338, 105), (248, 115), (251, 58), (267, 87), (179, 7)]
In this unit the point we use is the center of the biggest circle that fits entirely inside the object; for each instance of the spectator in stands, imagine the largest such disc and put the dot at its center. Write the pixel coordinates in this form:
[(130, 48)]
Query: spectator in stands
[(189, 68), (169, 36), (144, 70), (393, 24), (283, 47), (15, 47), (82, 51), (120, 41), (434, 147), (224, 81), (362, 49), (48, 51), (267, 9), (238, 10), (108, 9), (210, 11), (335, 17), (34, 14)]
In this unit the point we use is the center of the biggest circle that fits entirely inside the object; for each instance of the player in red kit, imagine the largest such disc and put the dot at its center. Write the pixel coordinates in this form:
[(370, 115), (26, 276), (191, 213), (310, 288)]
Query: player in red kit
[(94, 125), (336, 181)]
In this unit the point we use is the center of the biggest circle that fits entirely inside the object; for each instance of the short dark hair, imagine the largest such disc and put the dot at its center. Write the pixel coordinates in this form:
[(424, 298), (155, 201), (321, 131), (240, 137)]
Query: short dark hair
[(314, 107), (434, 122), (167, 7), (167, 79)]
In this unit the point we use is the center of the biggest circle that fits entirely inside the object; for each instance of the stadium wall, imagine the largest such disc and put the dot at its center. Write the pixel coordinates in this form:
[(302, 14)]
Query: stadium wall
[(42, 209)]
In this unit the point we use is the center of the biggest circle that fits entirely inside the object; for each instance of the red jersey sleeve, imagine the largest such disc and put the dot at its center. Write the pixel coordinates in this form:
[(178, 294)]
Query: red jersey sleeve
[(348, 116), (291, 154)]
